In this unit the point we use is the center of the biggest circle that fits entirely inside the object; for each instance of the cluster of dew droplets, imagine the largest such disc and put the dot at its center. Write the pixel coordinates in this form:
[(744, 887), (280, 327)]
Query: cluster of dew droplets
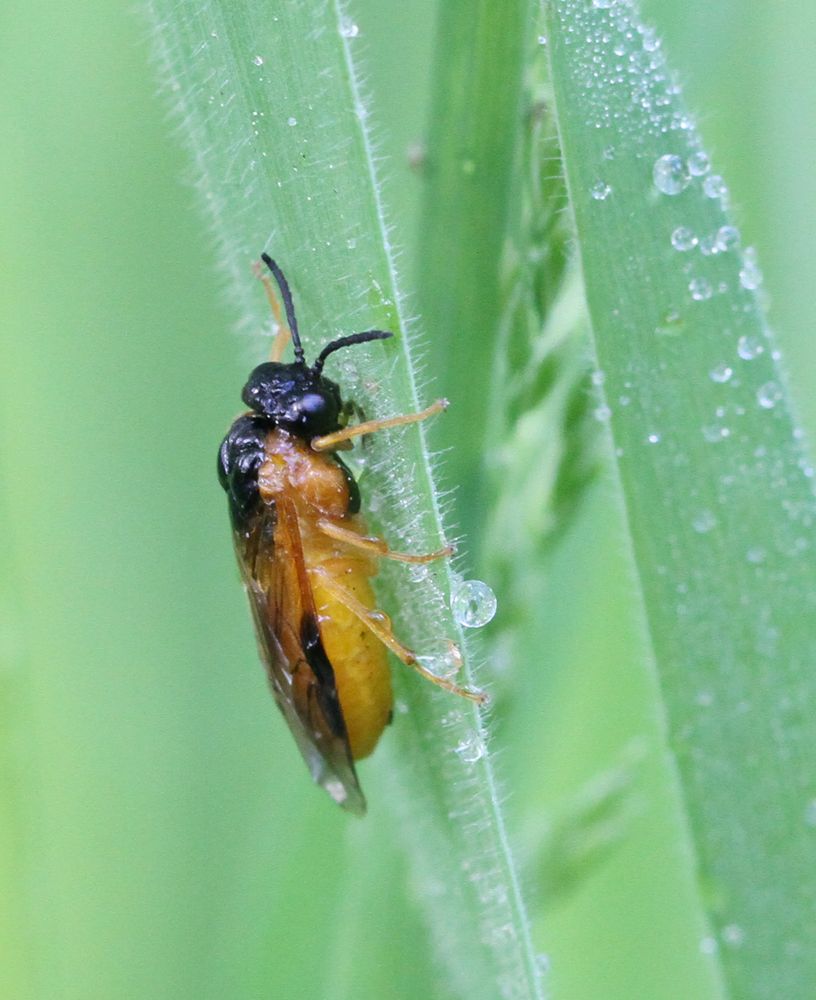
[(672, 175)]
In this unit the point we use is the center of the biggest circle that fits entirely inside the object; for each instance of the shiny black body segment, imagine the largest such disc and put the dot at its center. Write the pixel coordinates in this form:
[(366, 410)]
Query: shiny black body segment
[(242, 453)]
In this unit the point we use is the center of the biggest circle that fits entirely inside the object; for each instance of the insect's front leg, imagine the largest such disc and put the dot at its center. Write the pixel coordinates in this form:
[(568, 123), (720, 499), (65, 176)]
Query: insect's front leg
[(329, 441)]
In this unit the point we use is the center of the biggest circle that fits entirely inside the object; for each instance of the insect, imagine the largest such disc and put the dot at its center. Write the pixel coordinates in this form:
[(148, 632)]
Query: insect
[(307, 559)]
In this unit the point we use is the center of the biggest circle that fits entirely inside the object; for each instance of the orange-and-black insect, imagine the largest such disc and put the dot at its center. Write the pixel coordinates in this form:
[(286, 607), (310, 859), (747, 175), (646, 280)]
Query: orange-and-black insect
[(306, 557)]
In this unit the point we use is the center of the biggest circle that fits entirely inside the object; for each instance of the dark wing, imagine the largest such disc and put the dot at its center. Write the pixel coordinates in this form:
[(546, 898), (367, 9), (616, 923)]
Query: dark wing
[(270, 555)]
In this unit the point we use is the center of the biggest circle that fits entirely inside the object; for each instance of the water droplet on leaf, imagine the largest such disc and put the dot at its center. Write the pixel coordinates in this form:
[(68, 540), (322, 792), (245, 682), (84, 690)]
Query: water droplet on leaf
[(722, 373), (715, 187), (683, 239), (471, 748), (769, 394), (749, 348), (700, 289), (698, 164), (670, 174), (473, 603)]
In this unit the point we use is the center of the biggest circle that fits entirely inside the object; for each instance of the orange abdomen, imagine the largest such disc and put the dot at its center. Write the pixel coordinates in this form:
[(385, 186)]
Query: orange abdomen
[(358, 658), (318, 487)]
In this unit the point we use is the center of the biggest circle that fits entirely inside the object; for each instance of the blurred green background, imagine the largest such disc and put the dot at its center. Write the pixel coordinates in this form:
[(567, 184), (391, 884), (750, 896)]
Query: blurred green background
[(158, 835)]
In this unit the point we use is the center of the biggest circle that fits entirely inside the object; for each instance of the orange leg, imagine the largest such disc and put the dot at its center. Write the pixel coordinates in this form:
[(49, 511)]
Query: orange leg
[(379, 625), (329, 441), (284, 335), (377, 546)]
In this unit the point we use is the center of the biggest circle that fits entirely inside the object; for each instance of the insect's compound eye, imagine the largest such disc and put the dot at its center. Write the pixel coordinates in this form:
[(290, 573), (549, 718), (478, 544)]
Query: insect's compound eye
[(313, 404), (316, 412)]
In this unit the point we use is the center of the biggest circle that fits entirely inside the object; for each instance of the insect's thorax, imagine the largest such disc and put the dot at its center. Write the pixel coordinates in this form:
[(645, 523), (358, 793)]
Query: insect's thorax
[(314, 480)]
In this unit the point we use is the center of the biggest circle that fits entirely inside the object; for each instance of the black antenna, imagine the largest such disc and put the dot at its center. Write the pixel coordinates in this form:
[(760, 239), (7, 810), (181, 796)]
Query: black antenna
[(354, 338), (288, 304)]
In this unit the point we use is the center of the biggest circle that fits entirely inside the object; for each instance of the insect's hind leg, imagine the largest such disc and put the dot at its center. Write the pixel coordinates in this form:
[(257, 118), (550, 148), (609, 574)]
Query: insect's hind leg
[(379, 626), (329, 441), (378, 546)]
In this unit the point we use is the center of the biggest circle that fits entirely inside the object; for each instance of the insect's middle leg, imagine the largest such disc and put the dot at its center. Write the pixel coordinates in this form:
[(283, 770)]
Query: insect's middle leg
[(380, 626), (377, 546)]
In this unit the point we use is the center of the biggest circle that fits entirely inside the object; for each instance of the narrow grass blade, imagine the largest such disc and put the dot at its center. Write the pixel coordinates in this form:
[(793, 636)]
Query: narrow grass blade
[(717, 490), (473, 158), (271, 109)]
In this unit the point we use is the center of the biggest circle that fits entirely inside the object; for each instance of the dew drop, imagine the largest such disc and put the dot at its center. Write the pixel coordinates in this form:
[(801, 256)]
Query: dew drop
[(473, 603), (700, 289), (749, 348), (769, 395), (756, 555), (750, 275), (653, 439), (670, 174), (542, 961), (651, 41), (714, 433), (598, 377), (602, 414), (471, 748), (417, 573), (715, 187), (733, 935), (291, 121), (727, 238), (683, 239), (348, 29), (542, 39), (721, 373), (698, 164), (351, 243), (600, 191), (704, 522), (708, 945), (445, 664), (258, 60)]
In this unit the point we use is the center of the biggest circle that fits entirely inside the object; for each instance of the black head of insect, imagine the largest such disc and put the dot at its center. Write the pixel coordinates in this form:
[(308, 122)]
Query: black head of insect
[(297, 396)]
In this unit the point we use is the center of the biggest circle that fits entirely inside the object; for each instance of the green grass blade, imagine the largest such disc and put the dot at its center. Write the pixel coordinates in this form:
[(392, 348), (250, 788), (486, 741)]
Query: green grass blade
[(472, 170), (717, 490), (272, 113)]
